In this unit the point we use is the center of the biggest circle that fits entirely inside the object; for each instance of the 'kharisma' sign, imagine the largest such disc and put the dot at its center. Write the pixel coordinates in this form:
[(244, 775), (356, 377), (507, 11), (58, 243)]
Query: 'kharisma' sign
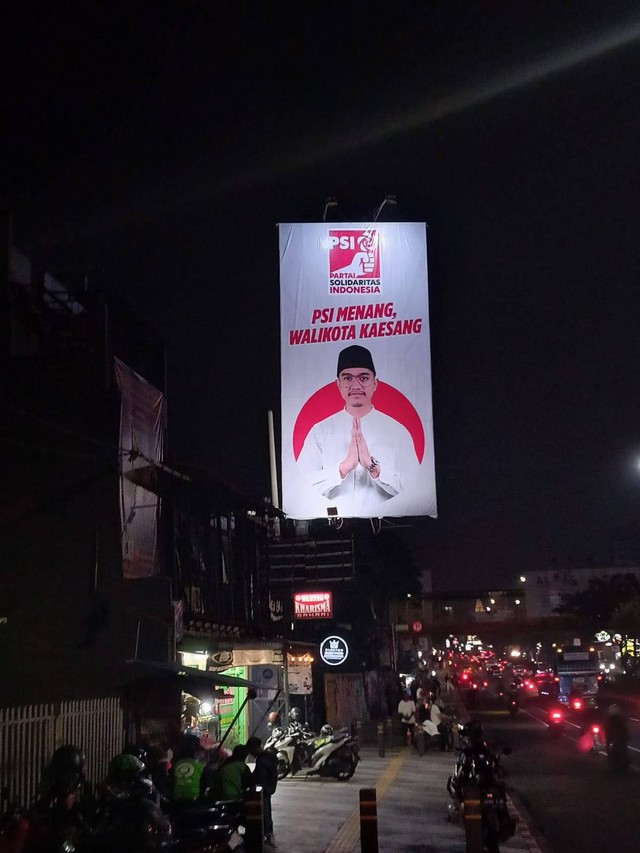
[(357, 426)]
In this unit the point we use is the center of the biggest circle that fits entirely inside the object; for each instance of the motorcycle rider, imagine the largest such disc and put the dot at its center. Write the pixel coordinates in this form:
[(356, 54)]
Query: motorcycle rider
[(55, 818), (232, 778), (442, 722), (615, 726), (186, 772)]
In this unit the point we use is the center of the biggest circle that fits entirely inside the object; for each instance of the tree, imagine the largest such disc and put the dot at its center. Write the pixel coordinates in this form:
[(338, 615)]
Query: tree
[(597, 603)]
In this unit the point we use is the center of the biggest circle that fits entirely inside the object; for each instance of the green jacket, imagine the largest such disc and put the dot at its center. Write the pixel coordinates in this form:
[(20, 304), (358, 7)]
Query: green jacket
[(186, 779), (230, 781)]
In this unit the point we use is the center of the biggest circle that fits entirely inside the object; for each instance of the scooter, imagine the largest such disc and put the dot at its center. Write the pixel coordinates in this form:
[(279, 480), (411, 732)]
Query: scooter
[(286, 747), (335, 755)]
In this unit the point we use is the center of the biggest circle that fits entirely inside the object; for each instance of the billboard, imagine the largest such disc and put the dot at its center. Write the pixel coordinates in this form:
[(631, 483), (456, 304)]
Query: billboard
[(357, 426)]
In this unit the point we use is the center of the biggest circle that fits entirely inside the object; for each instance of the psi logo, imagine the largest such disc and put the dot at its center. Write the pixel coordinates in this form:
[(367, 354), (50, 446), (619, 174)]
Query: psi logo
[(354, 261), (334, 650)]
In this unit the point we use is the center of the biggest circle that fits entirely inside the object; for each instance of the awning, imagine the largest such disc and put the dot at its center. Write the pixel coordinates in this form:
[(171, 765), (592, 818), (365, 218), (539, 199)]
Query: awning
[(190, 673)]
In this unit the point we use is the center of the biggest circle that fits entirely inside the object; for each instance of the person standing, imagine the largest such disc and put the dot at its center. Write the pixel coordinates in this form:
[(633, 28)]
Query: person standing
[(407, 713), (265, 774)]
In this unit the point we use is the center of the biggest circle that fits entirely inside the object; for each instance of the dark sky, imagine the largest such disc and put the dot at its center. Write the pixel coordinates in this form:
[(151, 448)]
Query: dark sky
[(154, 147)]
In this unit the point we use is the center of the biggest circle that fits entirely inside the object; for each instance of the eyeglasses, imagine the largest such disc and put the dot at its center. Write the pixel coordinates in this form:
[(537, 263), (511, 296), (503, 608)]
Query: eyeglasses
[(362, 378)]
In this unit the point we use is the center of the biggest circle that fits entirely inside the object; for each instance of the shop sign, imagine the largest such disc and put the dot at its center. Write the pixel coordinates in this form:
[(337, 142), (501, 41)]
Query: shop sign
[(312, 605), (334, 650)]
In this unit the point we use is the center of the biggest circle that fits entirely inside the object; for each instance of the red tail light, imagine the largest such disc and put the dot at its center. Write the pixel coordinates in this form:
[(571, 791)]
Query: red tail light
[(595, 729), (556, 715), (577, 704)]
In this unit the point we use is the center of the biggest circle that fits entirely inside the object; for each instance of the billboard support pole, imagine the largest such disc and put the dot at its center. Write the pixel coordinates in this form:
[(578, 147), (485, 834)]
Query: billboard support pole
[(285, 686), (275, 500)]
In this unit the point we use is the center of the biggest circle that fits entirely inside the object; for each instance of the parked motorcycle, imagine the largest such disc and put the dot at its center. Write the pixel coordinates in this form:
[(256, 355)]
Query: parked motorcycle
[(207, 827), (287, 746), (334, 754)]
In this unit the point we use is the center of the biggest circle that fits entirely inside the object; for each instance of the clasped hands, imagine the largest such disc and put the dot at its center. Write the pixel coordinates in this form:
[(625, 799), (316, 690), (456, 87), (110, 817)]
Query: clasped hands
[(358, 453)]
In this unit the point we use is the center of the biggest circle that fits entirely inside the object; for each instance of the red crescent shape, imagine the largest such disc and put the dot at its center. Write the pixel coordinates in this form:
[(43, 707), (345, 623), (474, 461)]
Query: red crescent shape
[(327, 401)]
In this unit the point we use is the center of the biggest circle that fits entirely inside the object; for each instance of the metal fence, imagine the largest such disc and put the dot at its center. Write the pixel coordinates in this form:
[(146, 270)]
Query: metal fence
[(30, 734)]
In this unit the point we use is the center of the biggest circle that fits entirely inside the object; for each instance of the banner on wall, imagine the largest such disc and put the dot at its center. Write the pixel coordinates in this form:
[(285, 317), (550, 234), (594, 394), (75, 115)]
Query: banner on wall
[(142, 423), (357, 426)]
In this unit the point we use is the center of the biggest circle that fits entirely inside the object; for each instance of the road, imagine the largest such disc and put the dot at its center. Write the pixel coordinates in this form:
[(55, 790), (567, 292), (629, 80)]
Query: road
[(574, 800)]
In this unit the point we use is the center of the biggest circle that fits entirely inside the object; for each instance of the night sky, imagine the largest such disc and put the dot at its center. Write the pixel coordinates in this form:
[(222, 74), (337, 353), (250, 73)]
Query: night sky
[(152, 148)]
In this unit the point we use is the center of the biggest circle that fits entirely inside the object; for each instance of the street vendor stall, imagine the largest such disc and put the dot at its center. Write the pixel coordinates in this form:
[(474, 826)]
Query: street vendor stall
[(165, 700)]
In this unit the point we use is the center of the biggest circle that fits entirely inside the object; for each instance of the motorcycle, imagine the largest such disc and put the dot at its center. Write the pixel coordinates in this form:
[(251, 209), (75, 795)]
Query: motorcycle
[(333, 754), (618, 755), (55, 821), (556, 721), (211, 827), (14, 826), (477, 765), (129, 814), (287, 746), (514, 705)]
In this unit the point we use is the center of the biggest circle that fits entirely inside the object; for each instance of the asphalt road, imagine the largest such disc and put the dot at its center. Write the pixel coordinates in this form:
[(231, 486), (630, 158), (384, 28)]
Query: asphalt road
[(575, 801)]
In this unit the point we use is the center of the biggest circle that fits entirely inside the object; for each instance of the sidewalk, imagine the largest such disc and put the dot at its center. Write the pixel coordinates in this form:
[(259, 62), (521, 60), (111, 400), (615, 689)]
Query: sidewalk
[(322, 816)]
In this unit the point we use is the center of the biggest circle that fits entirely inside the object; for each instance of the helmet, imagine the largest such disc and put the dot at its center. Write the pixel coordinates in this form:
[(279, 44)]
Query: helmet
[(65, 772), (139, 752), (190, 745), (125, 768), (326, 730), (295, 714), (66, 759)]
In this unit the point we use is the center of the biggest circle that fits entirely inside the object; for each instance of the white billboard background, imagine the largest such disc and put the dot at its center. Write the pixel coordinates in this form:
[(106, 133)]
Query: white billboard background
[(392, 287)]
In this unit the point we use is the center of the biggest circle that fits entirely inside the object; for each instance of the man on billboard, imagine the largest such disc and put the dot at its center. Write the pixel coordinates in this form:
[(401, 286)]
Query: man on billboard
[(358, 457)]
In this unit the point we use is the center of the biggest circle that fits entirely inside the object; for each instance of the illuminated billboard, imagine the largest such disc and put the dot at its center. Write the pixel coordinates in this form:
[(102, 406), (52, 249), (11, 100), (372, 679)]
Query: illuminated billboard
[(357, 426), (312, 605)]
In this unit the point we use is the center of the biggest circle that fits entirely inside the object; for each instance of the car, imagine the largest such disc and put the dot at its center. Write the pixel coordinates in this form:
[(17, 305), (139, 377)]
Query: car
[(548, 687)]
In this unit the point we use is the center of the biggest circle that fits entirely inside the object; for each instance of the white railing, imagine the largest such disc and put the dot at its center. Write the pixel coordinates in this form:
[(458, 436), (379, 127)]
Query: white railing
[(30, 734)]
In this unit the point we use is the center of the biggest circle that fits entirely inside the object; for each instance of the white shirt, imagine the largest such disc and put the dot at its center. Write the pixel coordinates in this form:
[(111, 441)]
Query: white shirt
[(407, 707), (359, 494), (436, 714)]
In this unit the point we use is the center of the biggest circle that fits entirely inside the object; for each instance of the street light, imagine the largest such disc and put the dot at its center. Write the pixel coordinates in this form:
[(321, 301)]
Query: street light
[(522, 579)]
